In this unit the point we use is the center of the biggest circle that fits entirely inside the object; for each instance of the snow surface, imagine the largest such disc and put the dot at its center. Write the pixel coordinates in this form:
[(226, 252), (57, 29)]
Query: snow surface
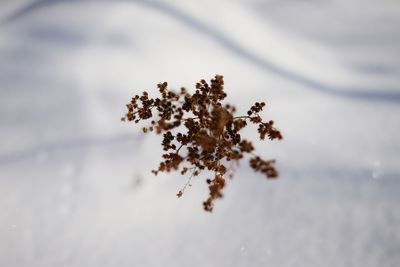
[(75, 187)]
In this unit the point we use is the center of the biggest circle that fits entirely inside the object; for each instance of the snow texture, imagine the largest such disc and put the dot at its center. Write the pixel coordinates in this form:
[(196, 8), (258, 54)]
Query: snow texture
[(75, 186)]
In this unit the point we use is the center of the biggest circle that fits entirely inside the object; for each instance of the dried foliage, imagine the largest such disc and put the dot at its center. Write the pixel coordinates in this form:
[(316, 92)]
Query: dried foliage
[(200, 133)]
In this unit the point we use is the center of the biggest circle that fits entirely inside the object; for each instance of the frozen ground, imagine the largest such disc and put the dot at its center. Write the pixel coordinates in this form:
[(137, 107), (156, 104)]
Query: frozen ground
[(75, 188)]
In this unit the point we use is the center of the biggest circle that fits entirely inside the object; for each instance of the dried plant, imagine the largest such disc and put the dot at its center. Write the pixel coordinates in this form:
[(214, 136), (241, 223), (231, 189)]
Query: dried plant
[(200, 133)]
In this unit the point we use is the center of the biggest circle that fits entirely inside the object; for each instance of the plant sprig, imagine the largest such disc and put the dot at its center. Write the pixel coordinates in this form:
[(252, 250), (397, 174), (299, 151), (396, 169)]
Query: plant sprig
[(201, 133)]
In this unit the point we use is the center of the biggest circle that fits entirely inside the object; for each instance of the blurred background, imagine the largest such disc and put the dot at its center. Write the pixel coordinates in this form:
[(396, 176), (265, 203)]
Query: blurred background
[(75, 182)]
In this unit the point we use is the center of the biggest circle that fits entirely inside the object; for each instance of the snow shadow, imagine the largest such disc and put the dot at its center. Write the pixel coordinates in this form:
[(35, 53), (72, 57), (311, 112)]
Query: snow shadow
[(383, 94)]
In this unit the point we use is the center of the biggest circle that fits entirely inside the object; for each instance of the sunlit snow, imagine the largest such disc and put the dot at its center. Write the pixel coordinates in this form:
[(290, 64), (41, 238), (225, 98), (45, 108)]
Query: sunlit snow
[(75, 182)]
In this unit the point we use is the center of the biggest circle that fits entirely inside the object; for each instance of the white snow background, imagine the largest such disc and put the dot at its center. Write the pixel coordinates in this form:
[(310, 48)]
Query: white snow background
[(75, 182)]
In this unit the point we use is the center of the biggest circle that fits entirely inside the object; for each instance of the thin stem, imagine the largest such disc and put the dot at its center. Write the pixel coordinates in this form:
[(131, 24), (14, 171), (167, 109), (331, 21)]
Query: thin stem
[(179, 148), (180, 193), (241, 117), (137, 111)]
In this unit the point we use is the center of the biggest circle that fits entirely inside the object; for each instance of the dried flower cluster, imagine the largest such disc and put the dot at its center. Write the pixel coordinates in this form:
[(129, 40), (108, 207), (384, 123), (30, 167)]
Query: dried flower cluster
[(200, 133)]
